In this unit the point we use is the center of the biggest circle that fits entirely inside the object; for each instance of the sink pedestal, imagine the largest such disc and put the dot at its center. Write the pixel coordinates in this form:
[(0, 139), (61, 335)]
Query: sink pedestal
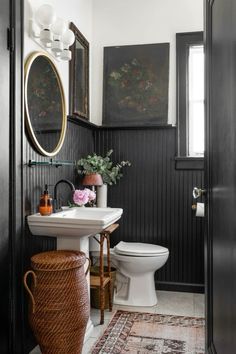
[(78, 244)]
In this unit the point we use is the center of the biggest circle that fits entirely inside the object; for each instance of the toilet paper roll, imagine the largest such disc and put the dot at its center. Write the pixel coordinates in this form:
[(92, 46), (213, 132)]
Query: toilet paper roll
[(200, 211)]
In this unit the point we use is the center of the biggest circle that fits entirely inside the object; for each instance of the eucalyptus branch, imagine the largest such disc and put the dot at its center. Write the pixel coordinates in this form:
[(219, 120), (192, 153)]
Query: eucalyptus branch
[(103, 165)]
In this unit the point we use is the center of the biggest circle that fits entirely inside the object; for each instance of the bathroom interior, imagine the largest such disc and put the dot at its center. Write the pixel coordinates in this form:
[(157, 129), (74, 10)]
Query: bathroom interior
[(155, 192)]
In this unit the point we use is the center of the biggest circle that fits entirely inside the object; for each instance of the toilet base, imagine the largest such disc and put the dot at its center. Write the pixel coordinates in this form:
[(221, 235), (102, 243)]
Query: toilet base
[(136, 291)]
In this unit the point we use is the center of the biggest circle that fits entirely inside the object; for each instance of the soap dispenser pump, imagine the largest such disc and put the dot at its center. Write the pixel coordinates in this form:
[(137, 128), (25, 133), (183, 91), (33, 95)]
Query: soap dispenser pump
[(45, 203)]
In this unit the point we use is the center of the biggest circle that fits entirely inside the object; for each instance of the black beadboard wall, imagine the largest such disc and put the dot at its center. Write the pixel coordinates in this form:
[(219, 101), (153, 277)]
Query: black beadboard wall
[(155, 197), (79, 142), (157, 202)]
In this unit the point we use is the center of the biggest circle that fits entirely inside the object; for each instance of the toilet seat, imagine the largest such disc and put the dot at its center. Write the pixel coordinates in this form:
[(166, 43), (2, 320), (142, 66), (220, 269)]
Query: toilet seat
[(139, 249)]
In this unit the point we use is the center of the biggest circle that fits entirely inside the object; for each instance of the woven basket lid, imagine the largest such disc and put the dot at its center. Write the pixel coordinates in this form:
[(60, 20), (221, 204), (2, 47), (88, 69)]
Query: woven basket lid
[(58, 260)]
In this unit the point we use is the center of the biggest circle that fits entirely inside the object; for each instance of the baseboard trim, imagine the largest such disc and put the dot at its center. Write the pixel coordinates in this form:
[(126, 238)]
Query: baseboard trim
[(184, 287), (211, 349)]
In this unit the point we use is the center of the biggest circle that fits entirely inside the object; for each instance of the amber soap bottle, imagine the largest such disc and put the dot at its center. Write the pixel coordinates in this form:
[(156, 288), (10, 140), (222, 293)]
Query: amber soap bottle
[(45, 203)]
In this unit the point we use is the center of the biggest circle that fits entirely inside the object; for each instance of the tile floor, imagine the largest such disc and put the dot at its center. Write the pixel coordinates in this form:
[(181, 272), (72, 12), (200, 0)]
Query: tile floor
[(169, 303)]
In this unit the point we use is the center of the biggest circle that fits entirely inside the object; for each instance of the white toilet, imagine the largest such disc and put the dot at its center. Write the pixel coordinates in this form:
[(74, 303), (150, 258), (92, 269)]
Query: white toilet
[(136, 264)]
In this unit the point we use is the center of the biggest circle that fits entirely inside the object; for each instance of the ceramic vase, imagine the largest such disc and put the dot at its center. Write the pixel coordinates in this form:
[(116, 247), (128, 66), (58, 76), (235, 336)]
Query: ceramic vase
[(102, 196)]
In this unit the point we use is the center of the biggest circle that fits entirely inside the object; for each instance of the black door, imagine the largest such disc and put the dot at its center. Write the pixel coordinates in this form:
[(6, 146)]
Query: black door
[(221, 168), (4, 176), (10, 176)]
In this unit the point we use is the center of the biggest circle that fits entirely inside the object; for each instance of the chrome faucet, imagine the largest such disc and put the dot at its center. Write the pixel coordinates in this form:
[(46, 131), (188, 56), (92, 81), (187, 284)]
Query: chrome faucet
[(56, 202)]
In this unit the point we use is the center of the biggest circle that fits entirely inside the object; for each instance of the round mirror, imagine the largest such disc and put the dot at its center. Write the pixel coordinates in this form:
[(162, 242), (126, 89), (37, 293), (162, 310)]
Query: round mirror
[(44, 104)]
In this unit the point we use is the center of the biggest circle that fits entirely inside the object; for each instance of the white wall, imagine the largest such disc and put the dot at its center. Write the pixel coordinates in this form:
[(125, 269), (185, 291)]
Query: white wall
[(123, 22), (77, 11)]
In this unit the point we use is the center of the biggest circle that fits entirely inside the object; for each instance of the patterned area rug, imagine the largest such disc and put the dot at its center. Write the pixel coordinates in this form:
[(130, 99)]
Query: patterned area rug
[(145, 333)]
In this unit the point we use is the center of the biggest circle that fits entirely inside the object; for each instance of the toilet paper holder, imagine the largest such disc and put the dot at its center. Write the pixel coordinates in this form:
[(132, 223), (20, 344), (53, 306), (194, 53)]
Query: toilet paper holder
[(199, 208)]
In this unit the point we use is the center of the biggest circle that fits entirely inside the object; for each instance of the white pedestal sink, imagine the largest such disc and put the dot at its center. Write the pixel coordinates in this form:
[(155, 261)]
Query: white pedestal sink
[(75, 222), (72, 227)]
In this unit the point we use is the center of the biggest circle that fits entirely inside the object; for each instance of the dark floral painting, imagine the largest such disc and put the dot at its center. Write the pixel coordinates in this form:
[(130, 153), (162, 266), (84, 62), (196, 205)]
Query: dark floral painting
[(136, 80)]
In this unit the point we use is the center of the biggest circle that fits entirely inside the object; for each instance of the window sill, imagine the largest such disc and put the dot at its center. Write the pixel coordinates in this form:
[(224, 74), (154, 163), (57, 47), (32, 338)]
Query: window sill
[(189, 163)]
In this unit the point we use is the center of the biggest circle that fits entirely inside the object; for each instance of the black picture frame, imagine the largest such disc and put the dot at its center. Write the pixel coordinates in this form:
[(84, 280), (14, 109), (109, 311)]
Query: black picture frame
[(136, 85), (79, 76)]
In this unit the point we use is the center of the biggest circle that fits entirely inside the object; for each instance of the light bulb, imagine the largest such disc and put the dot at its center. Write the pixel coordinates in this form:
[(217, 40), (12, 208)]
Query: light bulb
[(45, 15), (58, 27), (68, 38)]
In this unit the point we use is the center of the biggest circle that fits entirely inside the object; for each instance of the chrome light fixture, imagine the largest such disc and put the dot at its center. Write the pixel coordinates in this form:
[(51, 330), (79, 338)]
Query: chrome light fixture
[(52, 32)]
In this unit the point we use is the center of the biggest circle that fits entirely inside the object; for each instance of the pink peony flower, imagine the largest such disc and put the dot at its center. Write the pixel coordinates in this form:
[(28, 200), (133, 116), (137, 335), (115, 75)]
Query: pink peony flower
[(81, 196), (92, 194)]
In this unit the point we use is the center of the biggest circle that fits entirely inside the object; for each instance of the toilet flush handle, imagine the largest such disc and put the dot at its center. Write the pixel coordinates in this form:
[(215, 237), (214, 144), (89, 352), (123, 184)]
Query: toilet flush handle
[(198, 192)]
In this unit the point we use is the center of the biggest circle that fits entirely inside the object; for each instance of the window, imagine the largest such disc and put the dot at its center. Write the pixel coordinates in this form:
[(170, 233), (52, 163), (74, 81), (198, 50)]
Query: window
[(196, 101), (190, 94)]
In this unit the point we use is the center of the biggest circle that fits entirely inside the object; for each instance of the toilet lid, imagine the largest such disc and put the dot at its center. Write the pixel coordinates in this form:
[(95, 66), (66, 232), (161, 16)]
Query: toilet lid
[(139, 249)]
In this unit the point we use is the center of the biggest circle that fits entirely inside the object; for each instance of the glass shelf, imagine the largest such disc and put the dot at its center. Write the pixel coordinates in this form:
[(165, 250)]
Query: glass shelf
[(51, 162)]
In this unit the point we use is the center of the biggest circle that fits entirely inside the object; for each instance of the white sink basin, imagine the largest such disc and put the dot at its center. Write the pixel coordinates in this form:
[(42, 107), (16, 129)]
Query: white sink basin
[(76, 222)]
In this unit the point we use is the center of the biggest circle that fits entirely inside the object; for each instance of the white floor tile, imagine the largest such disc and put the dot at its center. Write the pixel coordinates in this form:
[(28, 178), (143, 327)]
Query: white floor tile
[(175, 303), (135, 308), (99, 329), (36, 350), (95, 314), (199, 305), (88, 345)]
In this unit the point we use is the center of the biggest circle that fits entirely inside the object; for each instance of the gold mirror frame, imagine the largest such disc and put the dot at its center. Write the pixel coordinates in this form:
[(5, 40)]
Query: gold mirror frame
[(33, 137)]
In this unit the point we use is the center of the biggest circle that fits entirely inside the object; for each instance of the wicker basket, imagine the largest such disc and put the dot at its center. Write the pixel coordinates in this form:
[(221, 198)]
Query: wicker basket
[(59, 308)]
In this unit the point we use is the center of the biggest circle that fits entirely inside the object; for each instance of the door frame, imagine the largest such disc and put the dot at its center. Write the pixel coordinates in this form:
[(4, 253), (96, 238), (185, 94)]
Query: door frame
[(16, 171), (16, 254), (210, 348)]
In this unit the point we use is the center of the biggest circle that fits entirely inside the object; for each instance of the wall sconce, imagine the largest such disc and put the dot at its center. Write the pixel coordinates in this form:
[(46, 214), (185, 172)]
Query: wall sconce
[(51, 32)]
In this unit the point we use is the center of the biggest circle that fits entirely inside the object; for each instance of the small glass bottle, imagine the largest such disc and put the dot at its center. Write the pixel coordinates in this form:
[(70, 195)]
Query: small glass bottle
[(45, 203)]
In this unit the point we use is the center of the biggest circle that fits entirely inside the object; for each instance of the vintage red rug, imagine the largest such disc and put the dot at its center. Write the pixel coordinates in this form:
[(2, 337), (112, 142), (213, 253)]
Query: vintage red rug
[(146, 333)]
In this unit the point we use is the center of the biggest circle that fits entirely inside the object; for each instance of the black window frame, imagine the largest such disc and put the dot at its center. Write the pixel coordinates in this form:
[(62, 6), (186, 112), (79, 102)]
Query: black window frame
[(183, 43)]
